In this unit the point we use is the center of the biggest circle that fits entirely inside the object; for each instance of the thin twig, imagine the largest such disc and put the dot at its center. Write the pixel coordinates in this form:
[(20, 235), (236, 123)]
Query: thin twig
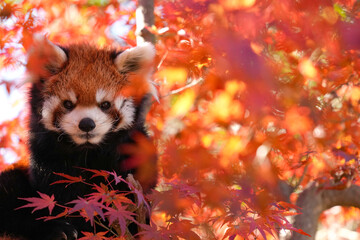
[(302, 176), (107, 228), (193, 83), (162, 59)]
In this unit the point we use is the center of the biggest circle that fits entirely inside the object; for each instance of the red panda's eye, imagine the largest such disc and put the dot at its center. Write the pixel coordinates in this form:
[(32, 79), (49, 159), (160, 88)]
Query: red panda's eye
[(105, 105), (68, 104)]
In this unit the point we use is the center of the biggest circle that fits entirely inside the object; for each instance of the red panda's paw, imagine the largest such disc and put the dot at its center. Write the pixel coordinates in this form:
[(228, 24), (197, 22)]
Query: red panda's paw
[(60, 230)]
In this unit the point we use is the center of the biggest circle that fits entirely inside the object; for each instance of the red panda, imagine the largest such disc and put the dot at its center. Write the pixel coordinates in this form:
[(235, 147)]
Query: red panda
[(85, 103)]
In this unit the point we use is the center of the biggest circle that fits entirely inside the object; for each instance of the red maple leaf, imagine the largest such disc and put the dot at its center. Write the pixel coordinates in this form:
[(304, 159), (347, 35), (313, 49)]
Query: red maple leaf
[(301, 232), (103, 195), (70, 179), (117, 178), (93, 236), (39, 203), (89, 206), (140, 196), (97, 173), (184, 229), (62, 214), (151, 232), (120, 214)]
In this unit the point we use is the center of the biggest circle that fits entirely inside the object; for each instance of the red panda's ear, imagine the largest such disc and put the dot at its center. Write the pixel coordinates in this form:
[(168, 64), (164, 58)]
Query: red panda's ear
[(136, 60), (44, 58)]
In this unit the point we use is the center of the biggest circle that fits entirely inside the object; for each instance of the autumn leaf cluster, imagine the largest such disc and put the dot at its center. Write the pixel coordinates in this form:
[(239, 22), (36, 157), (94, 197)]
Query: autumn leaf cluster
[(252, 94)]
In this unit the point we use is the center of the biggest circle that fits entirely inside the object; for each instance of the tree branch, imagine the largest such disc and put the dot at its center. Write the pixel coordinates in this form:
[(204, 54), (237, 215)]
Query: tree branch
[(302, 176), (144, 18), (176, 91), (313, 201)]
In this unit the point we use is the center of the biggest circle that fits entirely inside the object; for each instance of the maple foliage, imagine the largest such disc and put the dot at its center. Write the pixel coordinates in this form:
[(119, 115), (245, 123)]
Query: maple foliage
[(251, 94), (103, 203), (39, 203)]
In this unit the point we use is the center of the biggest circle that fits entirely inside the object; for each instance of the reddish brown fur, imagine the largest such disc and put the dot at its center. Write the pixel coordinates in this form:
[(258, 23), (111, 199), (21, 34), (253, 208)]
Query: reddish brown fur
[(87, 70)]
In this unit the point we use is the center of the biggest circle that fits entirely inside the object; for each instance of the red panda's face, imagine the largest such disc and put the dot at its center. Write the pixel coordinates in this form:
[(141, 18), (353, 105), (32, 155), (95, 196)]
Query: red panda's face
[(84, 96), (88, 123)]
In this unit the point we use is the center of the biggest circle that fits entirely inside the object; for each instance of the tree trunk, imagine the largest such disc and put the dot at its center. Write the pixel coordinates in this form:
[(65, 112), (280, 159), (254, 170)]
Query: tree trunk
[(313, 201), (144, 18)]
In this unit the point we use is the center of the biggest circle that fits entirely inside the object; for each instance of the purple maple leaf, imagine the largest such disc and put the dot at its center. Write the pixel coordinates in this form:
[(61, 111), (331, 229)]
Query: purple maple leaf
[(89, 206)]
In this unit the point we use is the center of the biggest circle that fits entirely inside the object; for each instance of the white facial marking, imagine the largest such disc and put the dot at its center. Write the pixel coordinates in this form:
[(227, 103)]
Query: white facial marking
[(47, 112), (70, 124), (127, 111), (72, 96), (102, 95)]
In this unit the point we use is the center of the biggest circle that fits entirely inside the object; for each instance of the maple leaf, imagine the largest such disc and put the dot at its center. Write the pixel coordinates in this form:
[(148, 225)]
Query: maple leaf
[(39, 203), (298, 231), (183, 228), (297, 120), (141, 199), (287, 205), (184, 103), (117, 178), (70, 179), (93, 236), (129, 41), (8, 85), (90, 207), (243, 230), (136, 188), (152, 232), (141, 153), (120, 214), (60, 215), (102, 194), (97, 173), (7, 9)]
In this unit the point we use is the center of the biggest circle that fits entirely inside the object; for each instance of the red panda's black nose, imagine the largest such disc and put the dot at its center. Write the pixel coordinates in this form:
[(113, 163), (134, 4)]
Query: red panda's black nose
[(87, 124)]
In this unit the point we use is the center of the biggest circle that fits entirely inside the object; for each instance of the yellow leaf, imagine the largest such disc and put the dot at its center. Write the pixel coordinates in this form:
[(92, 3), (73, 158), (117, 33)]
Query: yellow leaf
[(101, 41), (307, 68), (257, 48), (355, 96), (183, 104), (234, 86), (238, 4), (173, 76), (231, 149), (207, 140), (225, 109)]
